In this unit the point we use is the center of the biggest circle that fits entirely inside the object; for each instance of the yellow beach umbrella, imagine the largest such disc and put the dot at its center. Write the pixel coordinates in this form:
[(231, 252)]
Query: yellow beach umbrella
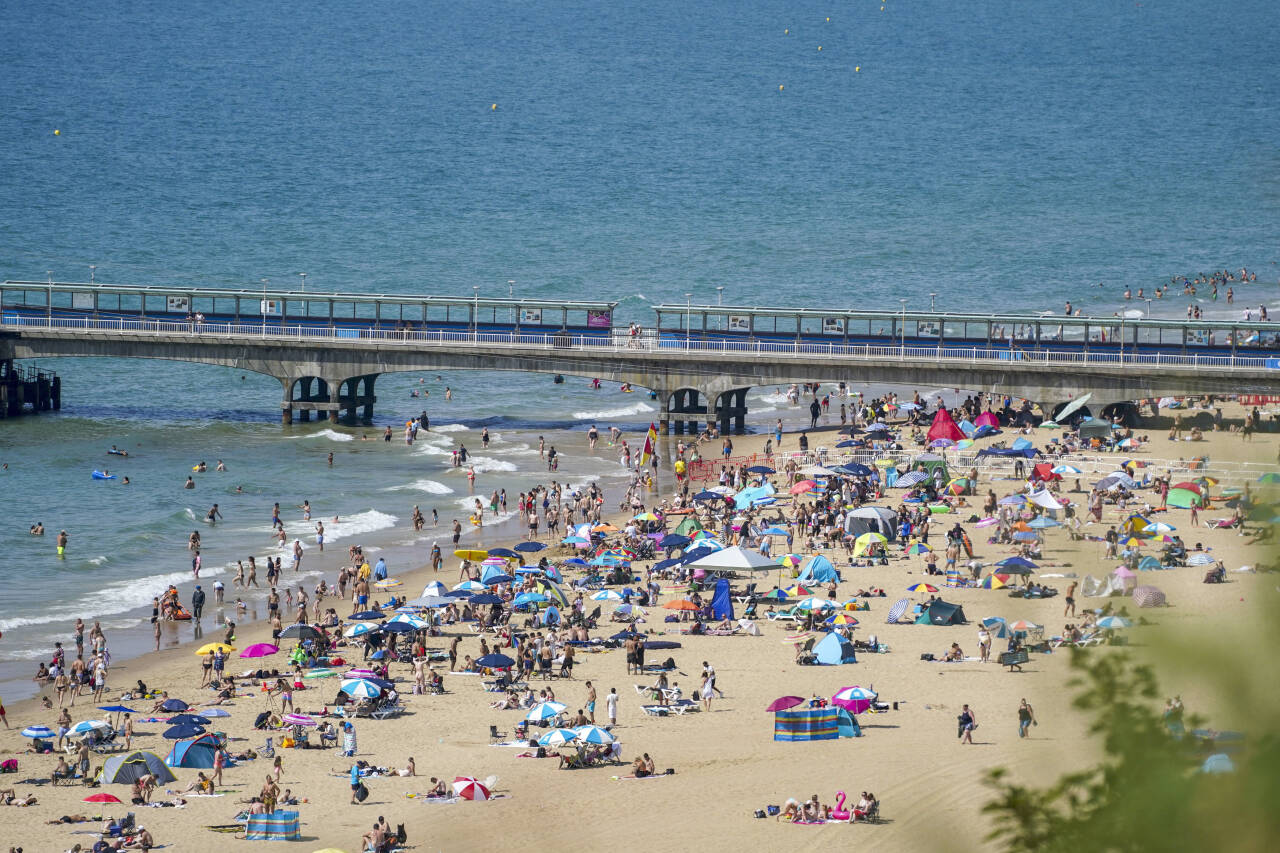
[(864, 542), (210, 648)]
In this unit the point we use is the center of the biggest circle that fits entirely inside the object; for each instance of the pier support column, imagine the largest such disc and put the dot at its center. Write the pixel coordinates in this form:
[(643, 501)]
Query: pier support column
[(687, 408), (731, 411), (286, 402)]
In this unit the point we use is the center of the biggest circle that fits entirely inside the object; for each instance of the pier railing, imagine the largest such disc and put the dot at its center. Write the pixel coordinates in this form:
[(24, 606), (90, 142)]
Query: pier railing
[(620, 341)]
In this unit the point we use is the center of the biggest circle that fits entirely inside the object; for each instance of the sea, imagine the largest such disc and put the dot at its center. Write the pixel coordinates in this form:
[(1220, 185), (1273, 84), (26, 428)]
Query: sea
[(973, 156)]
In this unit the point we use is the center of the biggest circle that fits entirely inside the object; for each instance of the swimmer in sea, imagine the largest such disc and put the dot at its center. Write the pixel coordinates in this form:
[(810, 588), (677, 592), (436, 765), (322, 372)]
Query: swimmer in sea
[(125, 481), (221, 468), (214, 515), (62, 543), (190, 484), (37, 529)]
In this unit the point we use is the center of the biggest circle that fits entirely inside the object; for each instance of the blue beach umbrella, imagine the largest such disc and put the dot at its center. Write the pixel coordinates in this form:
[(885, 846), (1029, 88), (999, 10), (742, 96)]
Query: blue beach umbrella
[(39, 732), (85, 726), (365, 615), (485, 598), (530, 547), (495, 660), (503, 552), (593, 734), (360, 629), (361, 688), (607, 595), (529, 598), (182, 732), (544, 711), (557, 737)]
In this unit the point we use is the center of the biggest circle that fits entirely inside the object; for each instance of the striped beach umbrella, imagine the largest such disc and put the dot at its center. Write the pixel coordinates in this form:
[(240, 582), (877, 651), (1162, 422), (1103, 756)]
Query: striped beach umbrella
[(557, 737), (593, 734), (544, 711)]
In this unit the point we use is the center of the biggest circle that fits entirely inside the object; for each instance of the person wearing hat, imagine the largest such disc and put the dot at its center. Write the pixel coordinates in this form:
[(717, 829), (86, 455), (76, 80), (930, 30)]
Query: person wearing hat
[(197, 602), (143, 840)]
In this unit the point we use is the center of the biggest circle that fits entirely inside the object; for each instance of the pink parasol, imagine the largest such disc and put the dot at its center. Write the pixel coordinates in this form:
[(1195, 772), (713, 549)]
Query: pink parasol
[(782, 703), (259, 650)]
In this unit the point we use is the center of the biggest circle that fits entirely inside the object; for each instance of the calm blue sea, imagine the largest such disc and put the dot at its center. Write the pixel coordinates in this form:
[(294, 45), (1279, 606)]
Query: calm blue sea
[(998, 154)]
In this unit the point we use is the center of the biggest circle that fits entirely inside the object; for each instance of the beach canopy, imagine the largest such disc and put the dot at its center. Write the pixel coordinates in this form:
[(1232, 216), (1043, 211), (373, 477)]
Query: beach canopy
[(834, 649), (940, 612), (131, 766), (944, 426), (818, 569), (301, 633), (194, 752), (735, 558), (996, 626)]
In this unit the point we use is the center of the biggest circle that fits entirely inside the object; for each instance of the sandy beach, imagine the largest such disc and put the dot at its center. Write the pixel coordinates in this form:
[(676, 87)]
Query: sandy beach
[(726, 763)]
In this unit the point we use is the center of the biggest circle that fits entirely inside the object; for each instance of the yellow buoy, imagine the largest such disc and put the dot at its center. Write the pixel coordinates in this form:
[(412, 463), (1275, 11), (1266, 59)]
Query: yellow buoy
[(857, 68), (828, 20), (57, 132), (493, 106), (819, 47), (786, 32), (779, 88)]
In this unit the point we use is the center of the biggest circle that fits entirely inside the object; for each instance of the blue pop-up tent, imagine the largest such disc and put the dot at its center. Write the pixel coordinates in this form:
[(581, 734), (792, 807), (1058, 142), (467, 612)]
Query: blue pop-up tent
[(834, 649), (818, 569)]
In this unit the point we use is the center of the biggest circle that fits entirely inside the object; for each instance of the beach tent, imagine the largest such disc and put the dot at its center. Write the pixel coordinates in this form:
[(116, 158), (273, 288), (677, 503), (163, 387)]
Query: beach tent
[(1149, 564), (721, 602), (985, 430), (1045, 500), (968, 427), (1121, 581), (818, 569), (872, 519), (1148, 596), (1021, 444), (689, 526), (196, 752), (987, 419), (941, 613), (1186, 495), (1091, 587), (130, 767), (273, 826), (834, 649), (828, 723), (1095, 429), (944, 427)]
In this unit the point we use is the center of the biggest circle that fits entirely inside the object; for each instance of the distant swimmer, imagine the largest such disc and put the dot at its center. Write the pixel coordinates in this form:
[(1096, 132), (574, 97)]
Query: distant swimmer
[(62, 543), (190, 484), (201, 468), (213, 515), (221, 468), (125, 481), (37, 529), (115, 451)]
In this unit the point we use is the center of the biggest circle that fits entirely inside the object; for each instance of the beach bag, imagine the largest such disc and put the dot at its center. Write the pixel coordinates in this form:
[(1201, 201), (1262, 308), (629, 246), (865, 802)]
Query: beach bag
[(927, 656), (759, 813), (401, 835), (9, 766), (362, 793), (773, 811)]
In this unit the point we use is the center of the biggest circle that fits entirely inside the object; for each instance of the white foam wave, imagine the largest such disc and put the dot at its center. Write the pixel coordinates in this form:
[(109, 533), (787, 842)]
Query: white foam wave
[(430, 450), (99, 560), (519, 449), (483, 464), (451, 428), (605, 414), (331, 434), (354, 525), (107, 600), (429, 486)]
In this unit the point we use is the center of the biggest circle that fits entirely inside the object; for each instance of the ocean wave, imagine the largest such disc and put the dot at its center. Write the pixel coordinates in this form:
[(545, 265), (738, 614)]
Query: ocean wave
[(605, 414), (331, 434), (354, 525), (484, 464), (429, 486), (451, 428), (107, 600), (98, 560)]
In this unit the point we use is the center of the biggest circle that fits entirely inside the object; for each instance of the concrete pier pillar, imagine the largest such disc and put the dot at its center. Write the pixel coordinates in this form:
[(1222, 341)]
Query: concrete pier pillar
[(56, 392), (286, 402)]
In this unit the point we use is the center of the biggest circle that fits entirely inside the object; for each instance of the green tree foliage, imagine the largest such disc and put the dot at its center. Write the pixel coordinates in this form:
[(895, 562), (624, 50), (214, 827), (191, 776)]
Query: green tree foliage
[(1148, 793)]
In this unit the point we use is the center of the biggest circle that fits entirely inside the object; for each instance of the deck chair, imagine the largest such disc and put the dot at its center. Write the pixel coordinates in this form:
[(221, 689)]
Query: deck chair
[(495, 735)]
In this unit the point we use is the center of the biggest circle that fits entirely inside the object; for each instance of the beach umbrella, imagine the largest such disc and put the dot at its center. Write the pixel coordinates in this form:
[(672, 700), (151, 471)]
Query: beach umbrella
[(918, 548), (1065, 469), (1158, 527), (941, 442), (782, 703), (259, 650), (1024, 625), (864, 542), (116, 709), (432, 601), (495, 660), (174, 705), (1013, 500), (1042, 522), (182, 732), (606, 527), (1114, 622), (101, 798), (992, 581), (1270, 478), (470, 789), (791, 560), (797, 590), (475, 555), (855, 699), (1133, 542), (193, 719), (921, 587), (557, 737), (361, 688), (841, 619), (366, 615), (299, 720), (544, 711), (989, 521), (504, 552), (388, 583), (360, 673), (485, 598), (803, 486), (909, 479), (210, 648), (602, 595), (360, 629), (84, 727), (680, 604), (1026, 536), (537, 598), (645, 516), (39, 732), (216, 712), (813, 603), (470, 586), (300, 632), (964, 444), (574, 540), (1011, 564), (1219, 762), (594, 735), (765, 469), (397, 627), (417, 623), (434, 588), (530, 547)]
